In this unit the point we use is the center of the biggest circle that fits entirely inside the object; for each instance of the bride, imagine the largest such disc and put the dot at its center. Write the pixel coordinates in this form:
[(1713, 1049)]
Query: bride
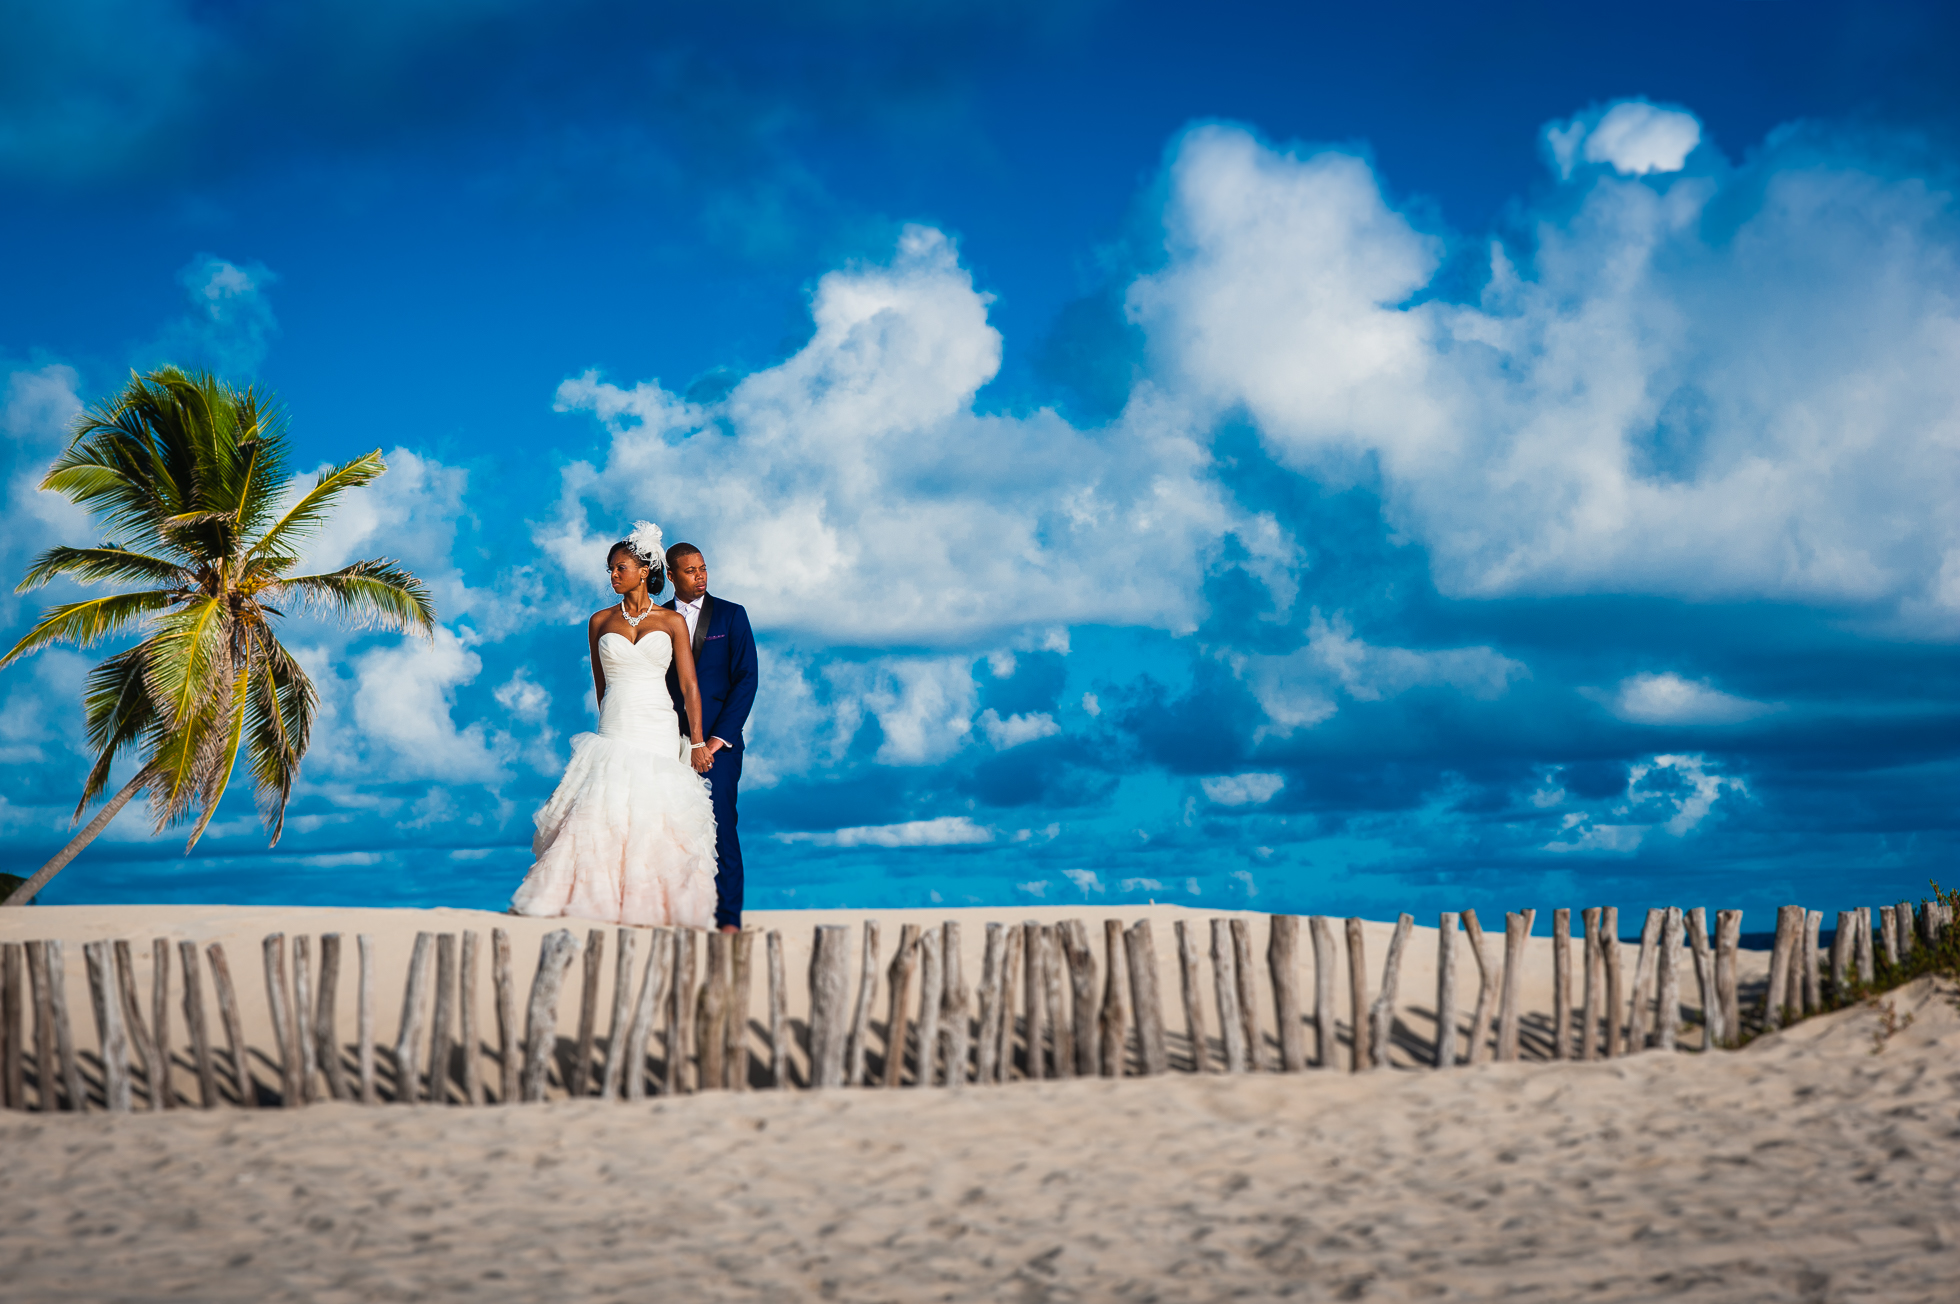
[(629, 836)]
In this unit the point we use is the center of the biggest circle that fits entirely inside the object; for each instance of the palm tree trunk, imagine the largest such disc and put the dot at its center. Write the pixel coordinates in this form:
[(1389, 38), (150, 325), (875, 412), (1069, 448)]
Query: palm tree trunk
[(25, 892)]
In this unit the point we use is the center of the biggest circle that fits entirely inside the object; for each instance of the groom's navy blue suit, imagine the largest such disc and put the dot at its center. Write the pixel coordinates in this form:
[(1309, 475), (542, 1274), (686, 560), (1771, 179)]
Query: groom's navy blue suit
[(724, 671)]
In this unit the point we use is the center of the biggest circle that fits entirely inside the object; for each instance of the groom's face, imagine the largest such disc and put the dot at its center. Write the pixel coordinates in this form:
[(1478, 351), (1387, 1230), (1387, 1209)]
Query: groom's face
[(690, 577)]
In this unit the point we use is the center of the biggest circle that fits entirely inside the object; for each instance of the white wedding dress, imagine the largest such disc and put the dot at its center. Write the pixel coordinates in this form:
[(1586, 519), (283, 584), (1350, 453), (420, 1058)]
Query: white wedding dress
[(629, 836)]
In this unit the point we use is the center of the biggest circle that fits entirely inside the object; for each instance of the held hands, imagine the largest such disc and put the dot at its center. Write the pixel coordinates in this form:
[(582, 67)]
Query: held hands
[(702, 757)]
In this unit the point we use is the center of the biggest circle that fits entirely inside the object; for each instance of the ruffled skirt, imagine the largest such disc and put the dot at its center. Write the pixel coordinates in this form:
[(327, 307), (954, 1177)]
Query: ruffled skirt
[(628, 837)]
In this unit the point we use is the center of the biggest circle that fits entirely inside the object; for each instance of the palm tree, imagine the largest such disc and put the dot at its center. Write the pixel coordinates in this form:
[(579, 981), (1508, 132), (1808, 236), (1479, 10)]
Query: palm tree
[(187, 477)]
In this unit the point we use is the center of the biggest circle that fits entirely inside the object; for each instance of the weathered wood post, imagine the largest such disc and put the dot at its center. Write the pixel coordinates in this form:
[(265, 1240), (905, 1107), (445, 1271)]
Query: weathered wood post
[(830, 989), (1225, 987), (303, 1043), (1445, 1054), (1082, 982), (1036, 979), (1609, 956), (1728, 938), (1782, 954), (364, 1015), (1381, 1015), (1589, 1033), (541, 1015), (1141, 953), (1188, 981), (1244, 975), (72, 1087), (954, 999), (46, 1074), (1842, 942), (578, 1082), (13, 1030), (1902, 929), (653, 999), (135, 1032), (1357, 997), (279, 1002), (1113, 1022), (680, 1014), (510, 1054), (472, 1036), (1283, 966), (1061, 1030), (1010, 988), (1667, 1003), (778, 1015), (445, 1021), (1712, 1024), (110, 1035), (1325, 961), (741, 966), (932, 990), (408, 1035), (1517, 932), (986, 1059), (1862, 945), (1635, 1014), (1562, 983), (711, 1016), (861, 1016), (159, 1023), (221, 986), (1813, 986), (326, 1035), (1486, 1009), (1888, 937), (898, 977)]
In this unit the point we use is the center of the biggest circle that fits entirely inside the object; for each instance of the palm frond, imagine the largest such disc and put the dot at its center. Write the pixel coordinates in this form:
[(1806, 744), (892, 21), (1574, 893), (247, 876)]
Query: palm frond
[(221, 757), (372, 593), (101, 565), (282, 705), (83, 623), (189, 660), (118, 711), (310, 512)]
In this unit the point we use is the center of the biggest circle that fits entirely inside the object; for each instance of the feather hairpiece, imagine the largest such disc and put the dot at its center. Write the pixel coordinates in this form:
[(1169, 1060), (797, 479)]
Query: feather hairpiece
[(647, 543)]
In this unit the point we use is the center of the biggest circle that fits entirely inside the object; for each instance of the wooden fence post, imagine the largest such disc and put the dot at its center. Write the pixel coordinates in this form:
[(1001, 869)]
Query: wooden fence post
[(46, 1074), (681, 1015), (221, 985), (1141, 953), (1480, 1018), (159, 1021), (1517, 932), (1010, 987), (445, 1022), (308, 1066), (655, 997), (736, 1056), (1188, 987), (1667, 1002), (1381, 1015), (472, 1037), (279, 1002), (1061, 1031), (13, 1030), (1728, 937), (1358, 996), (541, 1015), (1325, 961), (1712, 1026), (1283, 967), (1082, 983), (986, 1058), (1842, 942), (1781, 955), (135, 1032), (1036, 980), (1113, 1022), (1902, 926), (898, 1018), (364, 1016), (1562, 983), (954, 1000), (326, 1036), (932, 989), (778, 1015), (1244, 975), (108, 1025), (408, 1033), (1813, 986), (1445, 1055), (578, 1082), (1589, 1033), (830, 987), (861, 1015), (72, 1087), (1225, 988), (1635, 1014), (711, 1017), (1862, 945), (1609, 956), (613, 1077)]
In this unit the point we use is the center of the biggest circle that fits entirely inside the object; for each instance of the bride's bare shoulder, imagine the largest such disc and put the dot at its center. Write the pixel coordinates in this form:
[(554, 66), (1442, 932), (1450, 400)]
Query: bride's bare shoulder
[(598, 620)]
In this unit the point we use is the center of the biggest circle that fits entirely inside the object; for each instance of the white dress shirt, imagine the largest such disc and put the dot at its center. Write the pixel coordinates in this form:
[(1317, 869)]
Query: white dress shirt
[(691, 613)]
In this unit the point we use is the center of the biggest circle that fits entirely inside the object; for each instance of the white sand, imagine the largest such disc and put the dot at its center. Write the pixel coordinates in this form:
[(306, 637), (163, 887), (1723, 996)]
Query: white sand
[(1805, 1167)]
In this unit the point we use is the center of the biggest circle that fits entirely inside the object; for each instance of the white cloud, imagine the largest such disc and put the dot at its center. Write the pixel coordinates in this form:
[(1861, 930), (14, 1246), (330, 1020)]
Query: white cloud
[(38, 406), (923, 705), (1670, 699), (946, 831), (1243, 789), (230, 325), (1657, 401), (1633, 137), (525, 699), (393, 720), (1017, 729), (1669, 792), (853, 493)]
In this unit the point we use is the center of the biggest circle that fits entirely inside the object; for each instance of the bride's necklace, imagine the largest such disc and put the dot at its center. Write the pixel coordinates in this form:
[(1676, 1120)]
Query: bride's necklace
[(632, 620)]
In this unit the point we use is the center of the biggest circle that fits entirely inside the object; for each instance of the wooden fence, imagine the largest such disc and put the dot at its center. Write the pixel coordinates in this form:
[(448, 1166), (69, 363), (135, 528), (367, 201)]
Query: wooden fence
[(1042, 1007)]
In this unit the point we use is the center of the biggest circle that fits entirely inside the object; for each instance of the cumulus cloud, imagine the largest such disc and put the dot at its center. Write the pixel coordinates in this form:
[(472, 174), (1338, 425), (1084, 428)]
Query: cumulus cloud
[(1633, 137), (1670, 699), (1668, 792), (36, 409), (945, 831), (230, 325), (1243, 789), (1014, 730), (1648, 400), (853, 492)]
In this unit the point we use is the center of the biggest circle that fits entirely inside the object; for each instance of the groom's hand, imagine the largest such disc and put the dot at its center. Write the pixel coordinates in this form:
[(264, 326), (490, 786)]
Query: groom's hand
[(702, 759)]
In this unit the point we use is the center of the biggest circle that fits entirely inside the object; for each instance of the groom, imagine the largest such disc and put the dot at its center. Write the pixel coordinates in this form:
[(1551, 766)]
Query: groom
[(724, 669)]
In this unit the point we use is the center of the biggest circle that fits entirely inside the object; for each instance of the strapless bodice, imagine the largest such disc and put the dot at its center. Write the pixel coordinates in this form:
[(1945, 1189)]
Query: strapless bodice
[(637, 708)]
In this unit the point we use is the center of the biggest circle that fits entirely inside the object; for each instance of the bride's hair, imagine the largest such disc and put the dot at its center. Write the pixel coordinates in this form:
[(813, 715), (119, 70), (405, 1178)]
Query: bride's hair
[(644, 544)]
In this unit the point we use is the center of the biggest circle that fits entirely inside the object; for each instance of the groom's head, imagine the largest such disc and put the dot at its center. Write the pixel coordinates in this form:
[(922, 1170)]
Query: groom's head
[(688, 570)]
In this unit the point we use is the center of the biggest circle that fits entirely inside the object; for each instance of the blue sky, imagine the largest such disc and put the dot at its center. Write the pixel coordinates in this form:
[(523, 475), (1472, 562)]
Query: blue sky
[(1304, 457)]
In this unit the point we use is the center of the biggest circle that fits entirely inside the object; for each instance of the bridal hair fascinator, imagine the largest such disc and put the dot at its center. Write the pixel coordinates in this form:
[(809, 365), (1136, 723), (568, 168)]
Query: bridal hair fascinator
[(647, 543)]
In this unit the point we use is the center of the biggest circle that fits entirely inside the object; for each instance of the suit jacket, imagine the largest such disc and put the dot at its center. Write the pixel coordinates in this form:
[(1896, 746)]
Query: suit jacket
[(724, 670)]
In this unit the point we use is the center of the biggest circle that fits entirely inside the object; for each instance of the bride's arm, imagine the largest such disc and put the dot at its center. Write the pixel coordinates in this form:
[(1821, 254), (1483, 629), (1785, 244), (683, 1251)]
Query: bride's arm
[(592, 630), (698, 755)]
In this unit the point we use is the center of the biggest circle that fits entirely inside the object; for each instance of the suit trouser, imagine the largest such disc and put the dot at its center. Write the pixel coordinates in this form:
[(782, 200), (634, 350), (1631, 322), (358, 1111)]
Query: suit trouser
[(722, 779)]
